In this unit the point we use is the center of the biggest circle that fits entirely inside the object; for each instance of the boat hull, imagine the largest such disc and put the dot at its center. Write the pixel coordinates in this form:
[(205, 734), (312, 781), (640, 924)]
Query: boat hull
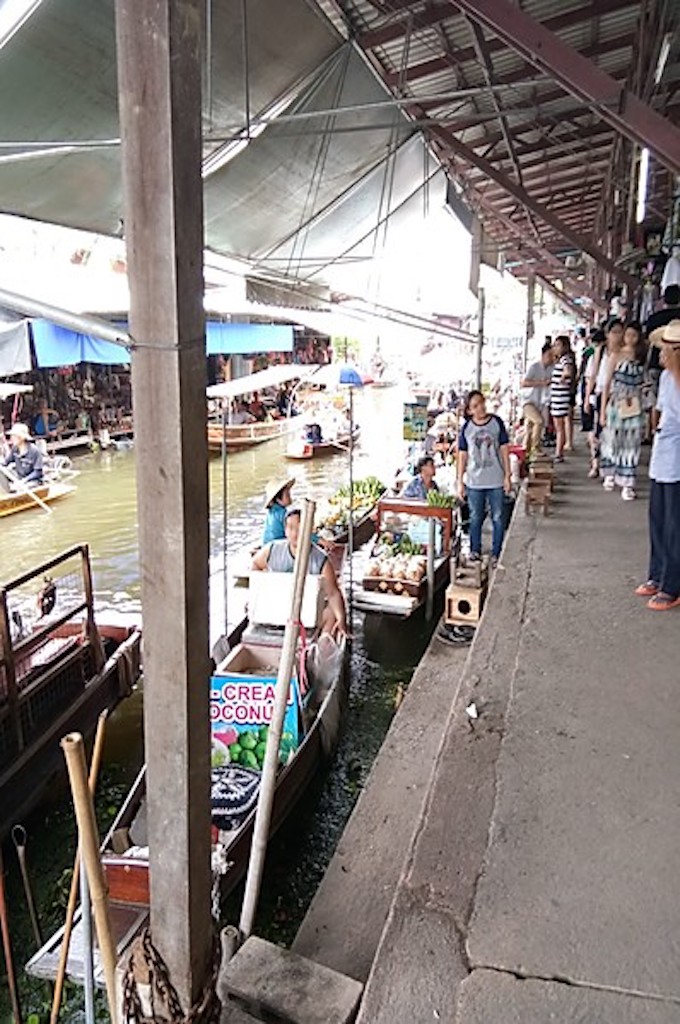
[(10, 504), (238, 437)]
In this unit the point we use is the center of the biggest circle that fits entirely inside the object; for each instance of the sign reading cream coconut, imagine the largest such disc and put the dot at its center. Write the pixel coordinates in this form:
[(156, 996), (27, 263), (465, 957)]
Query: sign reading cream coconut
[(240, 712)]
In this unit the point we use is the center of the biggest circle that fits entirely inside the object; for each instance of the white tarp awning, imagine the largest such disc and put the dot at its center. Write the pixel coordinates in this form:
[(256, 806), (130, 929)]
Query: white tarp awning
[(273, 377)]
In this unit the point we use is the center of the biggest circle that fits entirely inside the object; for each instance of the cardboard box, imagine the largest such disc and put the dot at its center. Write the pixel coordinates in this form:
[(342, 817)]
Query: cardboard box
[(271, 597)]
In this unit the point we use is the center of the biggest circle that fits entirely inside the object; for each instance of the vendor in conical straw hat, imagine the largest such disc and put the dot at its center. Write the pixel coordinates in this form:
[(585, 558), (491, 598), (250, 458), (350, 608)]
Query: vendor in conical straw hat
[(277, 498)]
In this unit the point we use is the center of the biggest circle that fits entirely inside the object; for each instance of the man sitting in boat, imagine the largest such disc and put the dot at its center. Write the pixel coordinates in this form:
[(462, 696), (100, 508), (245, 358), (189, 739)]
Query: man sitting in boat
[(23, 462), (423, 482), (241, 415), (277, 500), (279, 556)]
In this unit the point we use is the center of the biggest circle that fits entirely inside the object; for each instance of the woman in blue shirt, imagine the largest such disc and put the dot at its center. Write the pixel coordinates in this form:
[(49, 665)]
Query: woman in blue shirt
[(663, 585), (276, 500)]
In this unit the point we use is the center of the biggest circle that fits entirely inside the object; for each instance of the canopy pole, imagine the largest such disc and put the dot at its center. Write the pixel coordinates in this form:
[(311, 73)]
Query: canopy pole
[(65, 318)]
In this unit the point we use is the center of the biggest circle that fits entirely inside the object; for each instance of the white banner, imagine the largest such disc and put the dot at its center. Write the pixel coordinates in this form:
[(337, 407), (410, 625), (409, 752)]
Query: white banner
[(15, 349)]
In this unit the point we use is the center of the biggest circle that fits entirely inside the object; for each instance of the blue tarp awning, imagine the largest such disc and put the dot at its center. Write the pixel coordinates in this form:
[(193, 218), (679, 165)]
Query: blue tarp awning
[(59, 346)]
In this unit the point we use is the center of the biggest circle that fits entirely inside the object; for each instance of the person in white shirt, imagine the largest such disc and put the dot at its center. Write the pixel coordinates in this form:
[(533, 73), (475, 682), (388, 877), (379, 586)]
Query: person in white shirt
[(597, 374), (536, 386)]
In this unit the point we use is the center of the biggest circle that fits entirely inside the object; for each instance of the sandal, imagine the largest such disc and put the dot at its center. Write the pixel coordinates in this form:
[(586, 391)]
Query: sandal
[(663, 603), (648, 589)]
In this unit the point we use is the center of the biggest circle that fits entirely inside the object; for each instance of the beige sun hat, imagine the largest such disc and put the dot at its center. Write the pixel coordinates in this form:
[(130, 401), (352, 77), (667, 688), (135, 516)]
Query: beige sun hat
[(669, 333), (20, 431), (274, 488)]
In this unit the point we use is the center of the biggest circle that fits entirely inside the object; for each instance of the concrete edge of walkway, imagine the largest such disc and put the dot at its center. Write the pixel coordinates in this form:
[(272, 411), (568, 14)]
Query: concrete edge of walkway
[(343, 925), (426, 929)]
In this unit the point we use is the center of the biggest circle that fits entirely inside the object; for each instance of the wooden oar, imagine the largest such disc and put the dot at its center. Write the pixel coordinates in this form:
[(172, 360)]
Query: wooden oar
[(25, 489), (7, 947), (73, 748), (73, 894)]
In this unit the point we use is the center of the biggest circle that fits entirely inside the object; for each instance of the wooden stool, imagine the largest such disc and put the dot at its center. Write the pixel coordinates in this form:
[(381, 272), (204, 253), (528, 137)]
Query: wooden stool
[(463, 605), (543, 473), (537, 493)]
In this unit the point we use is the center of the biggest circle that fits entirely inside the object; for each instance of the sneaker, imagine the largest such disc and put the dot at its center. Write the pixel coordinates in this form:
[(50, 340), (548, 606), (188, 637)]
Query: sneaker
[(628, 494), (493, 562), (608, 483), (474, 556)]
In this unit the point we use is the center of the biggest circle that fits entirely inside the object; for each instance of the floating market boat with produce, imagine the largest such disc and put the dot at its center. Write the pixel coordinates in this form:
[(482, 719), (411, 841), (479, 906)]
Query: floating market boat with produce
[(400, 568), (333, 524), (60, 666), (242, 690)]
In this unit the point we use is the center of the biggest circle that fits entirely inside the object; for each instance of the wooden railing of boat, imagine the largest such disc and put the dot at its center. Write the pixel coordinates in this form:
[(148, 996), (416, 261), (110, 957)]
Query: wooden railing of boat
[(54, 671)]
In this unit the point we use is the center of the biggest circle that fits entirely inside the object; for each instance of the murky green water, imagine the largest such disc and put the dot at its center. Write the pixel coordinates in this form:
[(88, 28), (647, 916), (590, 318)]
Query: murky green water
[(103, 514)]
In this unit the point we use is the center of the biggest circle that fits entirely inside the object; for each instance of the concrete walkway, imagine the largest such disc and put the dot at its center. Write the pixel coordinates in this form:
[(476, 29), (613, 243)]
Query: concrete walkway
[(541, 883)]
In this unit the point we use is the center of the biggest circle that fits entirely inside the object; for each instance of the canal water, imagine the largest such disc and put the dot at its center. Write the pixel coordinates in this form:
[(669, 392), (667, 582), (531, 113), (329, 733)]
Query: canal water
[(102, 513)]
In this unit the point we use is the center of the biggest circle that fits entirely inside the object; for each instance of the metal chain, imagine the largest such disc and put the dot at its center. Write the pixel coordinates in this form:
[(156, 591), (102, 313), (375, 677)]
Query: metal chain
[(163, 999)]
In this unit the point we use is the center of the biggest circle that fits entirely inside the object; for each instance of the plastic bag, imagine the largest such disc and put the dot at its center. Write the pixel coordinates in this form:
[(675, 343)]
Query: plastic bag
[(324, 663)]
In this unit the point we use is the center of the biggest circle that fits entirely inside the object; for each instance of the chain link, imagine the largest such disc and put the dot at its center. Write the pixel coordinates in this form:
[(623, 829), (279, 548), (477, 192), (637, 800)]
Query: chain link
[(164, 1002)]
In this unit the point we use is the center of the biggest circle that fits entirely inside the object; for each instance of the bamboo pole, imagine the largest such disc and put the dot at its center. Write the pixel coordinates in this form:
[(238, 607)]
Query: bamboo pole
[(7, 947), (74, 752), (265, 801), (97, 752)]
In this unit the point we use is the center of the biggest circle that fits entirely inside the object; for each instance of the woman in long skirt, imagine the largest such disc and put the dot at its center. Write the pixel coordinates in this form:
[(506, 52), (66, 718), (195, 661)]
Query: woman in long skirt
[(622, 416)]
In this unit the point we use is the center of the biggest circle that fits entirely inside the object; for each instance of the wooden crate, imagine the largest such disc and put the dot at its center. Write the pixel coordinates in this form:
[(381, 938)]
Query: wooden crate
[(463, 605)]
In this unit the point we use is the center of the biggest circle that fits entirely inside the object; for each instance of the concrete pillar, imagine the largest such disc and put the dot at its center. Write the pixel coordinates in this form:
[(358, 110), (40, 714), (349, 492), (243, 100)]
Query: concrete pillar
[(160, 110)]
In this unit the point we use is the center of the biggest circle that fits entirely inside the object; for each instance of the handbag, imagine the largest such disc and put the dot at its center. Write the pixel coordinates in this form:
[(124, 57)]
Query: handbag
[(629, 407)]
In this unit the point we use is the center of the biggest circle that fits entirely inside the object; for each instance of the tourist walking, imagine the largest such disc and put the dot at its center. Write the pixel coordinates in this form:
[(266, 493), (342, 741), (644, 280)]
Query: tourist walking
[(484, 472), (622, 416), (536, 400), (597, 372), (663, 583), (561, 387)]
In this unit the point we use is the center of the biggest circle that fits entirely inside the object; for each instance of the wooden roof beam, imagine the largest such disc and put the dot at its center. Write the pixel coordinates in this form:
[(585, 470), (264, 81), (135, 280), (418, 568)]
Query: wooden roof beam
[(436, 64), (455, 146), (441, 12), (615, 104)]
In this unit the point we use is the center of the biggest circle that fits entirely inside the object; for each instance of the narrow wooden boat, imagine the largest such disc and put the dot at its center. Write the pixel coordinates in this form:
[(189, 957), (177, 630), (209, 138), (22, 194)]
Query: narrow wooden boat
[(304, 450), (59, 668), (22, 501), (124, 852), (238, 436)]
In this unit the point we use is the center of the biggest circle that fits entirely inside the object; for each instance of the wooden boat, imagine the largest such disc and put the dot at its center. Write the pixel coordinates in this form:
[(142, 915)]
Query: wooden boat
[(124, 853), (58, 670), (304, 450), (21, 501), (401, 597), (238, 436)]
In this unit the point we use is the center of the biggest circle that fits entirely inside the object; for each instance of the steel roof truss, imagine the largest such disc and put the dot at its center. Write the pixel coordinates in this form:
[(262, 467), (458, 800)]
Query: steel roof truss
[(616, 104)]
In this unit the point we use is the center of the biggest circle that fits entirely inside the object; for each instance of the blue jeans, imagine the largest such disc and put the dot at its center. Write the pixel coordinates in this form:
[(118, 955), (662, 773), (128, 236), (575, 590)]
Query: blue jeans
[(478, 499), (664, 535)]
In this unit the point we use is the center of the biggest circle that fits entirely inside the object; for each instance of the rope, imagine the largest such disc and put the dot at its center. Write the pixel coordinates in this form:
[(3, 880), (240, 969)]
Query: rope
[(163, 1002), (302, 681)]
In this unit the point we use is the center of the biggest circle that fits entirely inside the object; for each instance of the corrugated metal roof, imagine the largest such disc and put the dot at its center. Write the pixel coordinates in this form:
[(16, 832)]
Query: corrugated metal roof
[(557, 148)]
